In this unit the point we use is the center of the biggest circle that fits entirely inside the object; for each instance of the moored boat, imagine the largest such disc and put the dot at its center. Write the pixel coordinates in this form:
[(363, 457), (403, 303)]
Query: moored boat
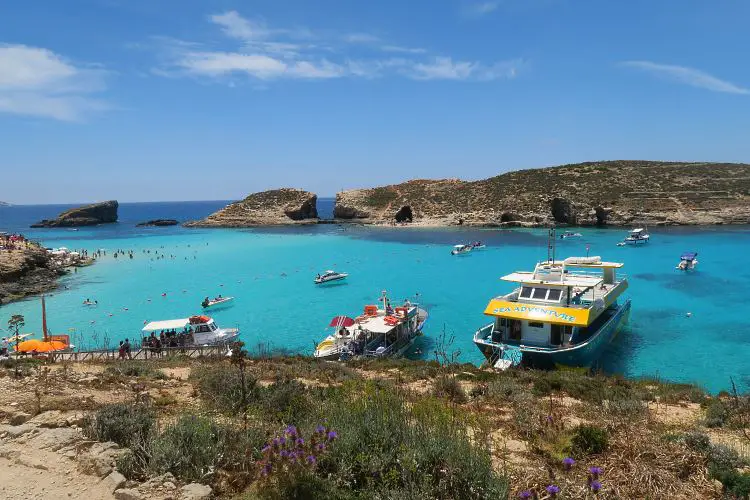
[(688, 261), (461, 249), (637, 236), (215, 301), (196, 330), (478, 245), (564, 312), (329, 276), (379, 332), (570, 234)]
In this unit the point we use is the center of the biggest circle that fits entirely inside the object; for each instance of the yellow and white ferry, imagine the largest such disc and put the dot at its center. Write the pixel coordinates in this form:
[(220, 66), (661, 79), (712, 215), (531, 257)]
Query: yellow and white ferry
[(562, 313)]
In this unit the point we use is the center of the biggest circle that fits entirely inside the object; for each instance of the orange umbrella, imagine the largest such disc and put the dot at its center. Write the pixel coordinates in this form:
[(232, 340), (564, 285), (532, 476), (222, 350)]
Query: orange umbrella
[(35, 345)]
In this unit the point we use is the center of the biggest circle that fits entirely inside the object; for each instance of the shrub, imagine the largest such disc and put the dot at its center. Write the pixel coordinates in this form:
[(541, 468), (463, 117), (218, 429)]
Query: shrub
[(717, 413), (450, 389), (697, 441), (589, 440), (285, 401), (502, 389), (128, 425), (736, 485), (220, 387), (133, 369)]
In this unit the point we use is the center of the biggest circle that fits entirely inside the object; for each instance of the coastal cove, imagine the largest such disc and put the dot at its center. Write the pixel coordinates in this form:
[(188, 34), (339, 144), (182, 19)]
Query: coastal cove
[(270, 271)]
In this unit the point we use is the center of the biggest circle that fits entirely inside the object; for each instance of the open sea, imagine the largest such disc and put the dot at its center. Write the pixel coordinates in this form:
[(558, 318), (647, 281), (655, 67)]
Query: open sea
[(270, 272)]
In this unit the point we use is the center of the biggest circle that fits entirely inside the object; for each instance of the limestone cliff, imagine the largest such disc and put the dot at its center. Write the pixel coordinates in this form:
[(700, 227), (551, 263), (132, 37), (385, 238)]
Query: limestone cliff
[(594, 193), (276, 207), (88, 215)]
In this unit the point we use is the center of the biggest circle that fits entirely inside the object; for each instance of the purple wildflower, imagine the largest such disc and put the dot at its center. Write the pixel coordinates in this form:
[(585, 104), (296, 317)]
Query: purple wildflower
[(320, 429), (321, 447), (266, 470), (596, 486), (568, 462), (332, 435), (291, 430), (595, 471), (265, 449), (549, 418), (275, 443), (524, 494), (284, 454), (311, 460), (300, 442), (282, 440), (553, 490)]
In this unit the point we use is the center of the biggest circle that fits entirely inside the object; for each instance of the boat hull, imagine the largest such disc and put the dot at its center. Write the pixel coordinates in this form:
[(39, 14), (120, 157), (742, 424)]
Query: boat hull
[(582, 355)]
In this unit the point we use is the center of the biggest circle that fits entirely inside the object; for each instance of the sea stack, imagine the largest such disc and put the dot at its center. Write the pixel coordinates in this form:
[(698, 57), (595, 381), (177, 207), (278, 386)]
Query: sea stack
[(158, 223), (89, 215), (268, 208)]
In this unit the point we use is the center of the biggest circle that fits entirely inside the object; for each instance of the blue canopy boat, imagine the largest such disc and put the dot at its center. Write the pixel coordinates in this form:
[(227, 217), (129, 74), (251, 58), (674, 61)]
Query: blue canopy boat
[(688, 261)]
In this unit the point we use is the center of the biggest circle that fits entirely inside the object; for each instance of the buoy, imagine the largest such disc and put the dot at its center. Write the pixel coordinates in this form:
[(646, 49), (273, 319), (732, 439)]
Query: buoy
[(164, 294), (124, 308), (689, 314)]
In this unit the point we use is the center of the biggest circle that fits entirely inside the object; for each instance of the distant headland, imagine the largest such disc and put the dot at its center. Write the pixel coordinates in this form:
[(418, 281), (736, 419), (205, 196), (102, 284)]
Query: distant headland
[(616, 193), (88, 215)]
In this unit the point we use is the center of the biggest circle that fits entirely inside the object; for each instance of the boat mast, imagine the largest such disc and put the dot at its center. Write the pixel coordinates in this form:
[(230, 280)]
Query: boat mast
[(551, 245), (44, 320)]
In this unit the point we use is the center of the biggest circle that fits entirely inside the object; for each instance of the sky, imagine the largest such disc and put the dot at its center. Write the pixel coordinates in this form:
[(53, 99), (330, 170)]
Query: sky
[(159, 100)]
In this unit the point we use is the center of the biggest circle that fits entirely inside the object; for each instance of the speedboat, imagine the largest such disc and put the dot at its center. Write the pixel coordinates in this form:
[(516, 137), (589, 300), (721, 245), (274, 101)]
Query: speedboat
[(478, 245), (461, 249), (329, 276), (570, 234), (688, 261), (215, 301), (637, 236), (379, 332), (564, 312), (196, 330)]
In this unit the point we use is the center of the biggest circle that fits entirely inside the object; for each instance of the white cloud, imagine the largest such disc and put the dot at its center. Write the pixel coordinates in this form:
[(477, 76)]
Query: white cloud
[(687, 76), (37, 82), (482, 8), (265, 53)]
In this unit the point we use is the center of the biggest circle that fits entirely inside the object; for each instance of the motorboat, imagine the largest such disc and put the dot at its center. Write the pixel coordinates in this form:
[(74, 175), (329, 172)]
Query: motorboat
[(688, 261), (570, 234), (215, 301), (563, 313), (637, 236), (199, 330), (461, 249), (478, 245), (329, 276), (381, 331)]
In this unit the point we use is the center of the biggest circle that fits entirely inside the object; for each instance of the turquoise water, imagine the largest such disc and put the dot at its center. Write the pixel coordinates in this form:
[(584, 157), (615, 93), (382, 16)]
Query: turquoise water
[(271, 271)]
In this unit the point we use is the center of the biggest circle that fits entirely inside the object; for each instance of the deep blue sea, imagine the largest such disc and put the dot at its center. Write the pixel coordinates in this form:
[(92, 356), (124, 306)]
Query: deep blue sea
[(270, 272)]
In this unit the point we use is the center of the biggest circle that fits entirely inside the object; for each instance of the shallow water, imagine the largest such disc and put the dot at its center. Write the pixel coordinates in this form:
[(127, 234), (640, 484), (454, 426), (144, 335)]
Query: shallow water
[(270, 271)]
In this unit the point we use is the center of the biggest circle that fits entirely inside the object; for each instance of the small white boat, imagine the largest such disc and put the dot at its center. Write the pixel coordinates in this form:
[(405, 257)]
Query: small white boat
[(215, 301), (478, 245), (193, 331), (636, 237), (688, 261), (329, 276), (570, 234), (461, 249)]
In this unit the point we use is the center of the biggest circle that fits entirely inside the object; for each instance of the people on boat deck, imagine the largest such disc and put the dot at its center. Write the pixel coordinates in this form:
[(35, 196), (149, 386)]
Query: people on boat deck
[(205, 302)]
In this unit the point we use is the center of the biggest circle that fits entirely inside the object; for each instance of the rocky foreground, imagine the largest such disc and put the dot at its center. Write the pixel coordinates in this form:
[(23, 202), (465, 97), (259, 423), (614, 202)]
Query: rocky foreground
[(88, 215), (276, 207), (596, 193)]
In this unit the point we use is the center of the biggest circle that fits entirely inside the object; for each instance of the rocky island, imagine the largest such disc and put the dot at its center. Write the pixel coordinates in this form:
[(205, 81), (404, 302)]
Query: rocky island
[(158, 223), (595, 193), (275, 207), (88, 215)]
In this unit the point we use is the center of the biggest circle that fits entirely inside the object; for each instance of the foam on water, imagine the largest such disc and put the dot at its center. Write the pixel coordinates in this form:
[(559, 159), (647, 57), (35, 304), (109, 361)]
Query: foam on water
[(271, 272)]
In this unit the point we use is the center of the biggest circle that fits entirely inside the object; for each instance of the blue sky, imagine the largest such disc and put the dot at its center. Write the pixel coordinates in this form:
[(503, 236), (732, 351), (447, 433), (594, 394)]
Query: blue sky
[(143, 100)]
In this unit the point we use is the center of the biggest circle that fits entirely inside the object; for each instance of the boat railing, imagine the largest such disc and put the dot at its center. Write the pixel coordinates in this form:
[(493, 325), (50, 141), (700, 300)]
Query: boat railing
[(484, 333)]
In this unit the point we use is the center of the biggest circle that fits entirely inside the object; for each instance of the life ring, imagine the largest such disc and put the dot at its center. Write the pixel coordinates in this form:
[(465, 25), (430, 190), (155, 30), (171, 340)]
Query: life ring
[(391, 320)]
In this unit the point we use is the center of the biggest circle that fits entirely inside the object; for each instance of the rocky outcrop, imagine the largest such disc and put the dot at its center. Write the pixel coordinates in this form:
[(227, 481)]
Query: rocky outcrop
[(589, 194), (26, 270), (158, 223), (89, 215), (276, 207)]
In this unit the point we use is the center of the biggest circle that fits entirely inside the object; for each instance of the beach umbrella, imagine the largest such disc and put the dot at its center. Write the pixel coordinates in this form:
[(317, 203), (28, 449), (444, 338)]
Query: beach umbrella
[(36, 345), (341, 321)]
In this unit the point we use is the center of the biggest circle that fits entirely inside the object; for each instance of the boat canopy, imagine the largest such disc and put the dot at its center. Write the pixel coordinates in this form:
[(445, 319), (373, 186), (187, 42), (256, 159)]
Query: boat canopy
[(526, 277), (339, 321), (637, 230), (532, 312), (688, 255), (459, 246), (169, 324)]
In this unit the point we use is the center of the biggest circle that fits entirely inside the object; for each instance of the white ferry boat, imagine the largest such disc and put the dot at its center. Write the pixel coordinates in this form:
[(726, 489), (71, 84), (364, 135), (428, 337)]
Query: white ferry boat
[(379, 332), (637, 236), (564, 312), (193, 331)]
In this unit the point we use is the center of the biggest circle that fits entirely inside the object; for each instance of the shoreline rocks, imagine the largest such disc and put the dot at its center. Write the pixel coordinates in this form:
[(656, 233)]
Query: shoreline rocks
[(276, 207), (158, 223), (89, 215)]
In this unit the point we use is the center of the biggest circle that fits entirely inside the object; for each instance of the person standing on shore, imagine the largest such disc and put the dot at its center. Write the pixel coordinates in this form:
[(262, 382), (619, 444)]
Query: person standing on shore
[(127, 348)]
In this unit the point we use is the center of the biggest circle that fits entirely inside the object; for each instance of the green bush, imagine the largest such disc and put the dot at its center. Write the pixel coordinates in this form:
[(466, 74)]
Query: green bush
[(717, 413), (735, 484), (220, 387), (589, 440), (285, 401), (450, 389), (133, 369), (697, 441), (128, 425)]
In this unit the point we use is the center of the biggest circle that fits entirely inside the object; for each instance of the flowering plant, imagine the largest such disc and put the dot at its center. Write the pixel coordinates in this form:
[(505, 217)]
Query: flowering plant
[(291, 450)]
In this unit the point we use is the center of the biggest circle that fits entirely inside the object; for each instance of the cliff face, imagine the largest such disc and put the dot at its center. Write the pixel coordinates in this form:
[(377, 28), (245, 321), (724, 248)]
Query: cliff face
[(279, 206), (88, 215), (595, 193), (26, 270)]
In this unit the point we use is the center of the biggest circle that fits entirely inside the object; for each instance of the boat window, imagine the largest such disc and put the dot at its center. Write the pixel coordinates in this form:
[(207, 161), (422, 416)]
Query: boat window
[(212, 326), (535, 324), (526, 292), (554, 294), (540, 293)]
